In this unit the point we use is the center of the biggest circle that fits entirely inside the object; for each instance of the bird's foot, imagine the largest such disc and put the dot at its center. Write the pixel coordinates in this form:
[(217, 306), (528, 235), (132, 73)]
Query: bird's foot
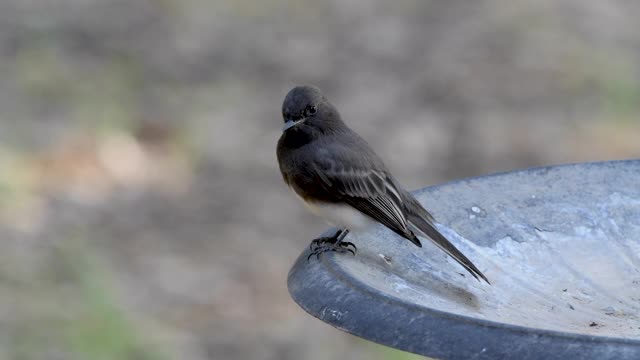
[(331, 243), (339, 247)]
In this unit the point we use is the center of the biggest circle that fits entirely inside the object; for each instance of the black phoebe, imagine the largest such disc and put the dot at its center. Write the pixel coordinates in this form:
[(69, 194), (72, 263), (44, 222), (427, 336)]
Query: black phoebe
[(339, 177)]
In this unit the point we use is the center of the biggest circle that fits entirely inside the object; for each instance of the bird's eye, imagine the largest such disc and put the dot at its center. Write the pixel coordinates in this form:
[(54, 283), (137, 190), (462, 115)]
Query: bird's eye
[(310, 110)]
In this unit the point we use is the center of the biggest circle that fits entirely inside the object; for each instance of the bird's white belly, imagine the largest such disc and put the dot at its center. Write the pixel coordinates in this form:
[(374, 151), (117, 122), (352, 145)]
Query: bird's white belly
[(340, 216)]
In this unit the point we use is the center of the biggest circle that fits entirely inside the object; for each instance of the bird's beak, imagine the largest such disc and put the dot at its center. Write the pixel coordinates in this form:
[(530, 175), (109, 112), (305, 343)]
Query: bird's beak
[(288, 125)]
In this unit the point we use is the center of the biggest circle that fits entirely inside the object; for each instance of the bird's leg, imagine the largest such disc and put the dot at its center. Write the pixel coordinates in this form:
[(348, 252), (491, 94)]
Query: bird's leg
[(331, 243)]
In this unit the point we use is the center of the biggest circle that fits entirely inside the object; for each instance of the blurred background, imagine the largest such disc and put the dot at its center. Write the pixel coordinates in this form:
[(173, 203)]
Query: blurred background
[(142, 214)]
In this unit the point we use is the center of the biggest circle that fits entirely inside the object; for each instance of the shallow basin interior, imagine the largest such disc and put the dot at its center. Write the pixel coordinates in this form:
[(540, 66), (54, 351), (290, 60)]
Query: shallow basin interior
[(562, 253)]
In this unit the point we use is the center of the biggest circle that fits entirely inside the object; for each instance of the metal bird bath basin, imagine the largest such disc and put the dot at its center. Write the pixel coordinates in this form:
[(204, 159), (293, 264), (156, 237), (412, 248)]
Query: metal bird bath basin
[(561, 246)]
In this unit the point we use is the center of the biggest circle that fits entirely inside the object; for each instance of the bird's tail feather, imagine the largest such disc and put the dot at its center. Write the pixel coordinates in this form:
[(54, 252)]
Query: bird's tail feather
[(428, 230)]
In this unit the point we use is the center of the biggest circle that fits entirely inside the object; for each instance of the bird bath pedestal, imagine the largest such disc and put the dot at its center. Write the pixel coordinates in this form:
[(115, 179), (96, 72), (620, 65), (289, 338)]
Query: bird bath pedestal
[(561, 246)]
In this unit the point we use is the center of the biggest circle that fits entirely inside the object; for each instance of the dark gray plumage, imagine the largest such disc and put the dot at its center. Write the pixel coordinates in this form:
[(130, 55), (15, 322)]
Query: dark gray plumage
[(334, 171)]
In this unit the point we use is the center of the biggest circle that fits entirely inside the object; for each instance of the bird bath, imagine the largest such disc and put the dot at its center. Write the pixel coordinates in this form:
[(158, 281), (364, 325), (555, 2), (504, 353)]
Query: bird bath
[(560, 245)]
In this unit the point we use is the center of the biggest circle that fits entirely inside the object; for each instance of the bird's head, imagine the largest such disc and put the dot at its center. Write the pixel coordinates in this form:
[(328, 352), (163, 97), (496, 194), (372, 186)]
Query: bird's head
[(307, 105)]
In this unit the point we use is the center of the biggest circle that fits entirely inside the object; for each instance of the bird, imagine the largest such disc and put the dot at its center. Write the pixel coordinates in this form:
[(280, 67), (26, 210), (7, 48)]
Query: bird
[(339, 177)]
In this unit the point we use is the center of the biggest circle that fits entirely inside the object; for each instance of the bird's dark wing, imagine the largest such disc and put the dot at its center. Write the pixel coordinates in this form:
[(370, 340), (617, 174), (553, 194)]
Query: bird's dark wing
[(372, 192)]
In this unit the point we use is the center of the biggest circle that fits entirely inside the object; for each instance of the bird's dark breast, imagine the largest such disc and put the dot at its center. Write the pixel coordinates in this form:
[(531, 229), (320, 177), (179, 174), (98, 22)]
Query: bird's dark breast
[(310, 188), (297, 172), (296, 137)]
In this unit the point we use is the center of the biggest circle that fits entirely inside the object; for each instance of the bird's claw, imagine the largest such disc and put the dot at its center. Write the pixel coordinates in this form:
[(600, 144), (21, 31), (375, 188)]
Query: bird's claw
[(345, 244), (322, 245)]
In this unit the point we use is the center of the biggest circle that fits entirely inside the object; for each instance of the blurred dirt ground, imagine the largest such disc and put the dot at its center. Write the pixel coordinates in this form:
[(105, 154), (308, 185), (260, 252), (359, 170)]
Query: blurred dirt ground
[(142, 215)]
